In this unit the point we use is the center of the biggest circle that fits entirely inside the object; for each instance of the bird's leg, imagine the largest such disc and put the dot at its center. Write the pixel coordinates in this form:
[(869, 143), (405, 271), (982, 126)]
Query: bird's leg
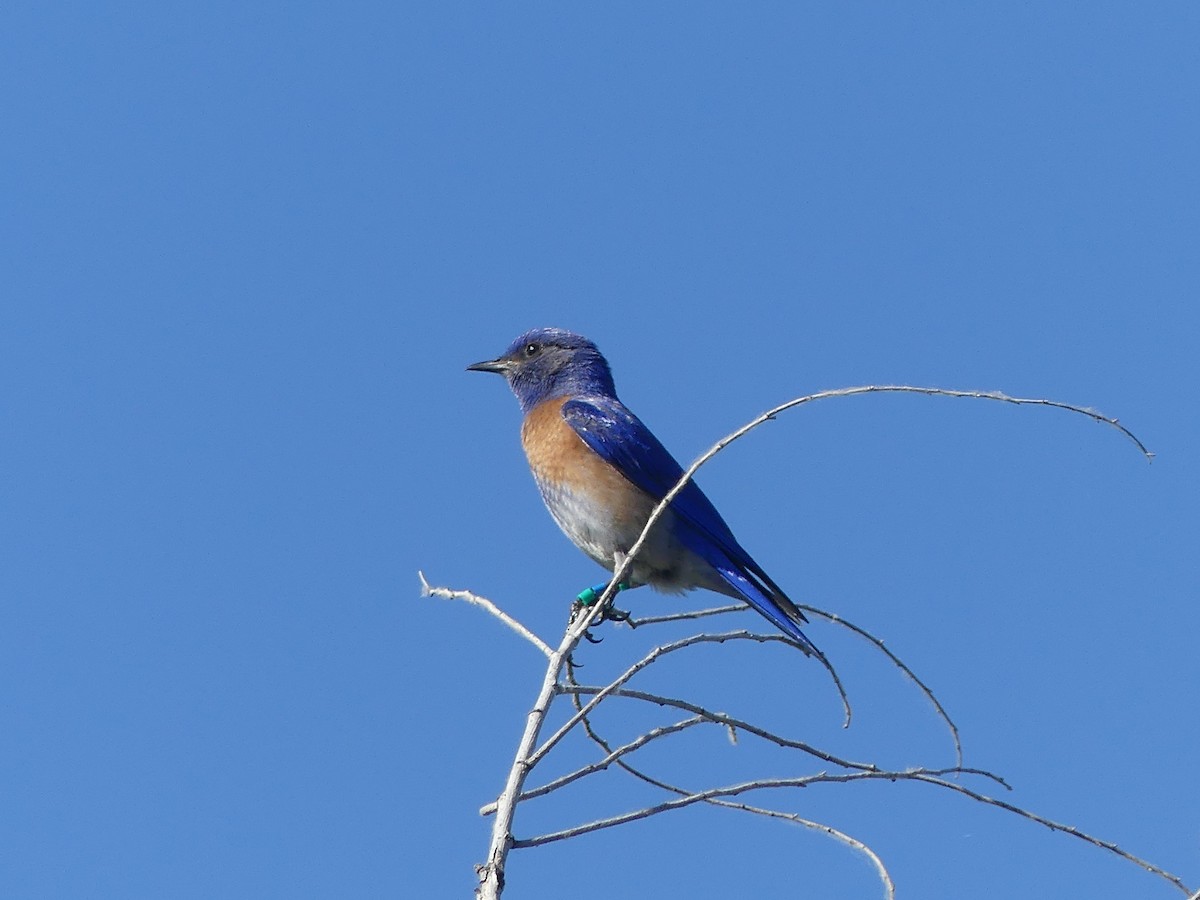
[(583, 602), (588, 597), (610, 612)]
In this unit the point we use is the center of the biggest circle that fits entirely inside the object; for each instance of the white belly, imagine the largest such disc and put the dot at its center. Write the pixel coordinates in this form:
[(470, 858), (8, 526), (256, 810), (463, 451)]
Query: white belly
[(663, 562)]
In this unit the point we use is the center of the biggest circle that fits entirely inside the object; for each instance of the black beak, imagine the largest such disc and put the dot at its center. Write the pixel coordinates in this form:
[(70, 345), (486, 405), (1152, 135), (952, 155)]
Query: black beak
[(499, 366)]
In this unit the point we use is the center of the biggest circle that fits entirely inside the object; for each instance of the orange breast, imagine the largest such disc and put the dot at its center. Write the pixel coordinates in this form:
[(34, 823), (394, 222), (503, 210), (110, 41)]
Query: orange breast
[(559, 457)]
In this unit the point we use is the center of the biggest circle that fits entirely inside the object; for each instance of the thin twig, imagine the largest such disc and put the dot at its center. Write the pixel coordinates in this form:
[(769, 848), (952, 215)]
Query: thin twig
[(705, 795), (721, 718), (602, 764), (850, 841), (923, 775), (655, 654), (428, 590), (899, 663), (836, 620), (756, 730), (931, 777), (633, 622)]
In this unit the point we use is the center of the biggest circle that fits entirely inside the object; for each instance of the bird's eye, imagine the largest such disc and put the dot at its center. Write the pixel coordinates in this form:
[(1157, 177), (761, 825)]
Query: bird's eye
[(532, 349)]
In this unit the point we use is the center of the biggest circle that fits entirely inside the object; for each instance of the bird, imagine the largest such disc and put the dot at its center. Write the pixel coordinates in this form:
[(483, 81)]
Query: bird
[(601, 472)]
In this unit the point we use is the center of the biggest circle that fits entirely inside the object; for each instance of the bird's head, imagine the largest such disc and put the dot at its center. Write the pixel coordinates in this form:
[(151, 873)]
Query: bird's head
[(551, 362)]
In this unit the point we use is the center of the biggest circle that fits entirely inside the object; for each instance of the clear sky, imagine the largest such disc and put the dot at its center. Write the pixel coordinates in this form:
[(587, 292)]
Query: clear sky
[(248, 250)]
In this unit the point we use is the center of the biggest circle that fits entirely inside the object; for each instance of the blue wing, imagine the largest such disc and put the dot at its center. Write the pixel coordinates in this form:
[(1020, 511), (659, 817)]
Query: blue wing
[(620, 438)]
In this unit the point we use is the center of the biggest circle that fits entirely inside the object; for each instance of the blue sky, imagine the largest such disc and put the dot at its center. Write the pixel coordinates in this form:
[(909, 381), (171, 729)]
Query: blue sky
[(247, 252)]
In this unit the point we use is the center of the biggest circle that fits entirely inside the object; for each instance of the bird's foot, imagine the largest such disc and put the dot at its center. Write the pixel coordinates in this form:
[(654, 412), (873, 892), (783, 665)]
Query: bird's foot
[(578, 608), (587, 599)]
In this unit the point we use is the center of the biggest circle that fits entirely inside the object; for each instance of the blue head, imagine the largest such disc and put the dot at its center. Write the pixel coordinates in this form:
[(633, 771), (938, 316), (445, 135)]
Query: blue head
[(551, 362)]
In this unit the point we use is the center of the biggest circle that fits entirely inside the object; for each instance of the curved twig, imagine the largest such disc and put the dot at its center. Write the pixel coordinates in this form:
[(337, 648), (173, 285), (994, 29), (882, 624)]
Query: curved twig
[(900, 664)]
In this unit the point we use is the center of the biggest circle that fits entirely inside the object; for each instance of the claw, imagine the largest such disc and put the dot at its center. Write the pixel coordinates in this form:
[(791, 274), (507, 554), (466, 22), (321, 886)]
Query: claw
[(579, 606)]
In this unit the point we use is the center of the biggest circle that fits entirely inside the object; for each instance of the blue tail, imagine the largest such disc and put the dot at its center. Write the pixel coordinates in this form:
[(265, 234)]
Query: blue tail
[(768, 599)]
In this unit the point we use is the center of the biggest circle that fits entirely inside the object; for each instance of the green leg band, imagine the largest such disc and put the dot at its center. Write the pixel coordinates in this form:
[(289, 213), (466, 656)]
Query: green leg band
[(592, 594)]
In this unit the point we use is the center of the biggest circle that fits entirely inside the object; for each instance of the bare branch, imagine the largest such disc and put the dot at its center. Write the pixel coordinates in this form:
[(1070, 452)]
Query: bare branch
[(930, 777), (927, 776), (837, 620), (602, 764), (706, 795), (899, 663), (721, 718), (741, 607), (491, 873), (853, 843), (938, 392), (684, 616), (483, 603), (654, 655)]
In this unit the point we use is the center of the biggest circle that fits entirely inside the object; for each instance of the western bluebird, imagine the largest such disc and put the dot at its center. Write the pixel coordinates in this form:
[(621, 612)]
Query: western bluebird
[(601, 472)]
